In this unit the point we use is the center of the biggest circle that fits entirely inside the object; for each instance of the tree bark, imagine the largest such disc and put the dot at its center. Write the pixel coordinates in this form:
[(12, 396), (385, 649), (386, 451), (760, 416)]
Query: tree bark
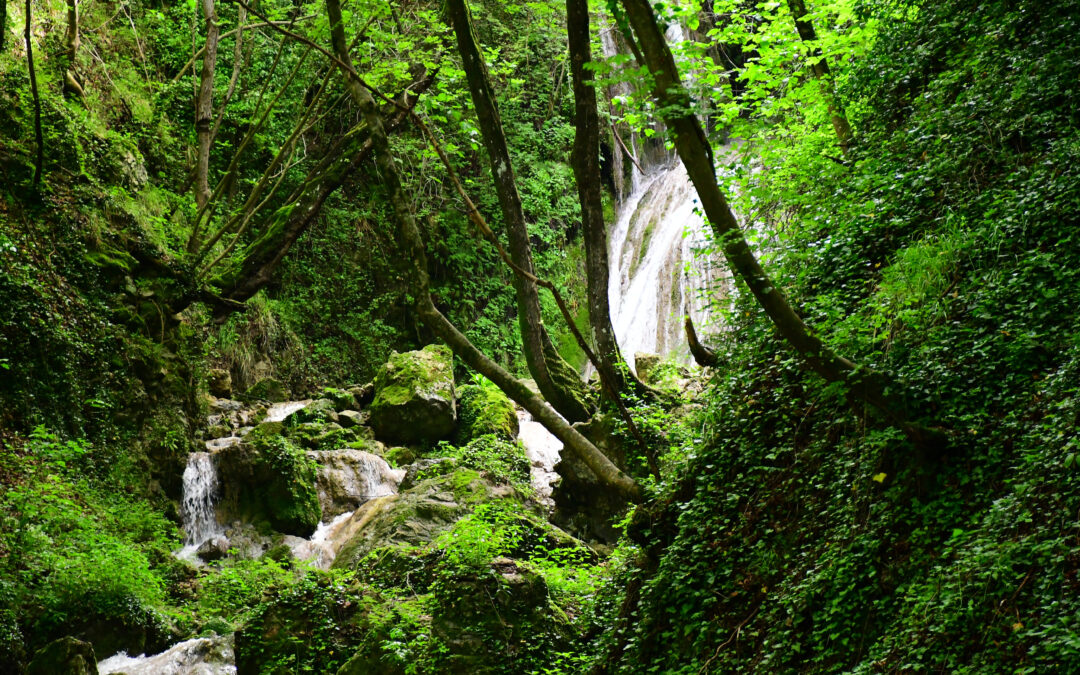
[(71, 40), (820, 71), (204, 119), (39, 160), (705, 357), (695, 152), (556, 380), (585, 160), (3, 25), (416, 261)]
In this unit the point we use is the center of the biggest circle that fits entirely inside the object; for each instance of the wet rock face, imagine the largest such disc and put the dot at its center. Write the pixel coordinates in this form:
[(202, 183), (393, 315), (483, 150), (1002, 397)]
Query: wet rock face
[(414, 396), (66, 656), (347, 478), (416, 516)]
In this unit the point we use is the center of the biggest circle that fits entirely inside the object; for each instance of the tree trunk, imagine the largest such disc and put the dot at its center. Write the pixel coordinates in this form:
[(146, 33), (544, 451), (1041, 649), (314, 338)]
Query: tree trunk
[(585, 160), (416, 262), (204, 120), (3, 25), (705, 357), (693, 147), (264, 255), (71, 40), (556, 380), (820, 70), (39, 160)]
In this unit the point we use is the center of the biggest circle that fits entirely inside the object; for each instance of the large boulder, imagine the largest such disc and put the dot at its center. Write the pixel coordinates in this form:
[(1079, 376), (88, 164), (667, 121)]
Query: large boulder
[(416, 516), (267, 389), (485, 410), (414, 396), (585, 505), (486, 617), (347, 478), (219, 381), (268, 479), (66, 656)]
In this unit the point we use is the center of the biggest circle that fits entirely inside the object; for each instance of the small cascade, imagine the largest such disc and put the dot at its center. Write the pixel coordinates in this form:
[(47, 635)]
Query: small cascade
[(321, 549), (543, 451), (279, 411), (347, 478), (199, 498), (199, 656)]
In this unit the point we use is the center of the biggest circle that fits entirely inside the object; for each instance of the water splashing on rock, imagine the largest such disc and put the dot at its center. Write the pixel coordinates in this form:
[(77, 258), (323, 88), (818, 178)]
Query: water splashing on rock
[(201, 491)]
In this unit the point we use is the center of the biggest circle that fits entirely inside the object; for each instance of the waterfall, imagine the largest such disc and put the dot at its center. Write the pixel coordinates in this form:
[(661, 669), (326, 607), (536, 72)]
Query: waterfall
[(542, 449), (197, 508), (198, 656), (656, 277), (658, 274)]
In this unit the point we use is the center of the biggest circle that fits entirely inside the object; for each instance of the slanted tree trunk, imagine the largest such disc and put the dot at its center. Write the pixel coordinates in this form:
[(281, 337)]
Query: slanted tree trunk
[(585, 160), (416, 264), (556, 380), (204, 120), (693, 147), (39, 160), (820, 71)]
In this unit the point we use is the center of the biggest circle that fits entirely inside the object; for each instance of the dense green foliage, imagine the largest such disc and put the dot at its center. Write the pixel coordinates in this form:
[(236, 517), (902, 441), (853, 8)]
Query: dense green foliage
[(806, 537), (792, 530)]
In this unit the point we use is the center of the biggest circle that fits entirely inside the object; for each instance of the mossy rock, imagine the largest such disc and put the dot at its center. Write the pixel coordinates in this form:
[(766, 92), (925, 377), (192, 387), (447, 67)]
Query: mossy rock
[(417, 515), (310, 626), (267, 389), (270, 480), (485, 410), (496, 620), (414, 396), (66, 656), (321, 411), (342, 399)]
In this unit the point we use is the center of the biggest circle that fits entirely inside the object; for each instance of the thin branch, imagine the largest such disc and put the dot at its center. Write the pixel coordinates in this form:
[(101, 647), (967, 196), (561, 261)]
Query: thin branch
[(626, 149)]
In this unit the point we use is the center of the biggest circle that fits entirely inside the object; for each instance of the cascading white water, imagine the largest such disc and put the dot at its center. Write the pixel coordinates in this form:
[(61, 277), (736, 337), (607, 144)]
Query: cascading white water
[(657, 273), (279, 411), (543, 450), (199, 498), (198, 656), (657, 277)]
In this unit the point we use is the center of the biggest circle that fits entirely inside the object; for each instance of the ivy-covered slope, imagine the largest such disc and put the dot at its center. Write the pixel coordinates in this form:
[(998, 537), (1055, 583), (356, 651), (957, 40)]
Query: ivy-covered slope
[(808, 537)]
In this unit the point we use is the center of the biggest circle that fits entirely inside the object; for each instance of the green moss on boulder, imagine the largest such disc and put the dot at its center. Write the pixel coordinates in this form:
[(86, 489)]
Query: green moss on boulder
[(485, 410), (414, 396), (269, 479), (267, 389)]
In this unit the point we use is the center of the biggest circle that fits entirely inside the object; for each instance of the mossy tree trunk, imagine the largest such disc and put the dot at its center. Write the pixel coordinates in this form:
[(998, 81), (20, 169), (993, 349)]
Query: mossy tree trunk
[(71, 40), (39, 159), (554, 377), (585, 160), (416, 267), (204, 120)]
